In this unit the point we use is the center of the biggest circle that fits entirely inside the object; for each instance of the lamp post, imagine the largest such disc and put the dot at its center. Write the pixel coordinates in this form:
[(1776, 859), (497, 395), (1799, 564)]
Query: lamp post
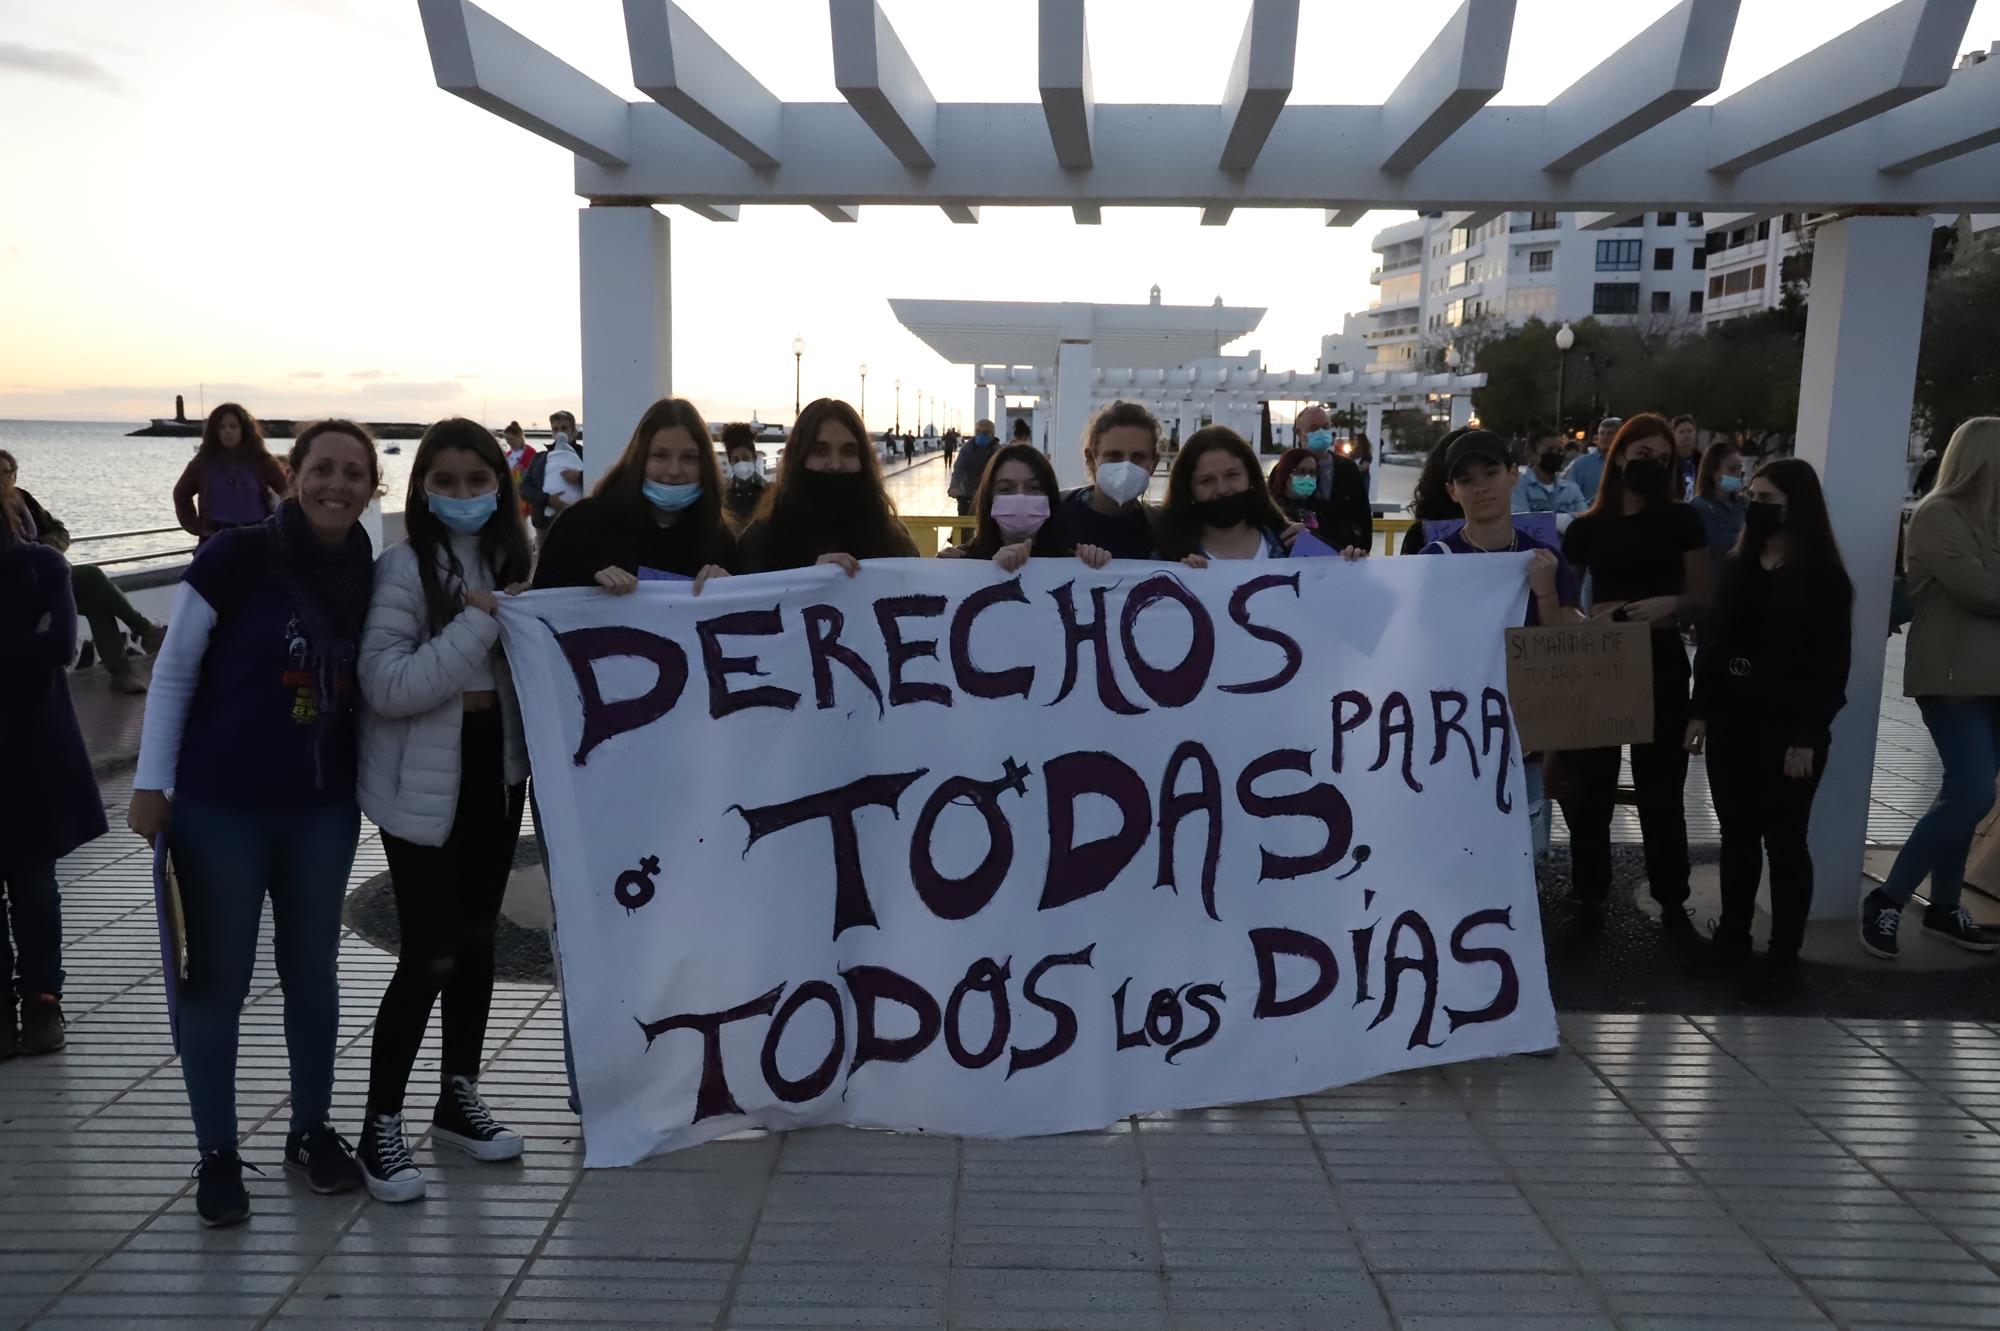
[(1565, 339), (798, 357), (899, 406), (864, 390)]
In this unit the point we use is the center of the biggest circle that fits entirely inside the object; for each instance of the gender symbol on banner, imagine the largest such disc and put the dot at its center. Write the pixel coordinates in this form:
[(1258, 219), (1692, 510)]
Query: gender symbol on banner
[(635, 886)]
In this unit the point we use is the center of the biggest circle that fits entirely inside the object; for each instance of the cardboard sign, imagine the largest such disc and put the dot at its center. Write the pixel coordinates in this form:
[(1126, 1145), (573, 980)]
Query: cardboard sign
[(1581, 686)]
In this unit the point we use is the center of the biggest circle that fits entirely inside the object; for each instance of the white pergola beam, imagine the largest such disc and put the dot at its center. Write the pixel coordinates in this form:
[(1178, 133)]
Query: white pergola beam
[(1064, 74), (1896, 56), (1664, 70), (1345, 216), (477, 57), (1473, 218), (1962, 117), (681, 67), (880, 81), (1087, 214), (715, 212), (839, 212), (1460, 72), (964, 214), (1216, 214), (1260, 81), (1603, 221)]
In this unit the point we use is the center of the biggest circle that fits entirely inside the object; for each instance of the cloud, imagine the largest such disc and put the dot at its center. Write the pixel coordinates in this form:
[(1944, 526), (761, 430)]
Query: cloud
[(308, 374), (370, 374), (73, 66), (468, 376)]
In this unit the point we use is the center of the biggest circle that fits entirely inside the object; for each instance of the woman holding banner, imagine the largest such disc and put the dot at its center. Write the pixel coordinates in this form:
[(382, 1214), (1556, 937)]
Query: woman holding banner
[(1015, 523), (827, 505), (1218, 506), (1647, 558), (251, 724), (444, 769), (659, 507), (1771, 676), (1121, 448)]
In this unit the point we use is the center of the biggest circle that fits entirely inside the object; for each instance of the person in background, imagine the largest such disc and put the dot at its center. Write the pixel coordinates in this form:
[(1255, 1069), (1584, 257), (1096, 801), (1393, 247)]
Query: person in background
[(746, 472), (233, 481), (49, 803), (251, 725), (827, 505), (1587, 472), (1338, 484), (1687, 454), (1218, 506), (97, 599), (1770, 678), (1719, 498), (521, 457), (659, 506), (1294, 485), (909, 450), (537, 485), (1362, 452), (1479, 473), (444, 771), (1121, 448), (1925, 479), (1431, 499), (971, 465), (1017, 517), (1542, 487), (1951, 666), (1647, 559), (950, 446), (562, 472)]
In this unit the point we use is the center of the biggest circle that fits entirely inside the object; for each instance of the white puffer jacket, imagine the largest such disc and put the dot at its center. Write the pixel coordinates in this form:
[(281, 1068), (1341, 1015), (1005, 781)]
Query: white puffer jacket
[(413, 685)]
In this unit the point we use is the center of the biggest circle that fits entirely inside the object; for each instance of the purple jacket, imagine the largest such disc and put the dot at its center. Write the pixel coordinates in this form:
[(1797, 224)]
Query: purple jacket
[(49, 804)]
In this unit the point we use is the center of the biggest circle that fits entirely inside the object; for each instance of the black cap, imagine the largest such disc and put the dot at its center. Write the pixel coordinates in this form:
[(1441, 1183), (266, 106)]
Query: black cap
[(1480, 445)]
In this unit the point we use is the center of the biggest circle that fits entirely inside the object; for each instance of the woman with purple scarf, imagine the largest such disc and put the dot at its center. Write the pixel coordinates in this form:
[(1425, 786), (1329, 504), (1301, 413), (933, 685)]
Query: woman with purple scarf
[(49, 803), (233, 480), (247, 768)]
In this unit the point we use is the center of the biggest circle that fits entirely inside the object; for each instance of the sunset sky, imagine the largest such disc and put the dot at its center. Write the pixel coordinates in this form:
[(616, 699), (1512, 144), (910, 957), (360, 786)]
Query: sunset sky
[(274, 199)]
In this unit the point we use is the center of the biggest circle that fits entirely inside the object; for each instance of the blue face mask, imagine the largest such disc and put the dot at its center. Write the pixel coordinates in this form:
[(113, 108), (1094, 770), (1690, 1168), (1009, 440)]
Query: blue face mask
[(463, 515), (1304, 487), (671, 498), (1319, 440), (1729, 484), (982, 438)]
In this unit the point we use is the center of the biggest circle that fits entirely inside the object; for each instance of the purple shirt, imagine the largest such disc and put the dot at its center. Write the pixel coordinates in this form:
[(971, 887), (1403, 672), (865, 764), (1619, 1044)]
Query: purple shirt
[(1568, 588), (249, 737)]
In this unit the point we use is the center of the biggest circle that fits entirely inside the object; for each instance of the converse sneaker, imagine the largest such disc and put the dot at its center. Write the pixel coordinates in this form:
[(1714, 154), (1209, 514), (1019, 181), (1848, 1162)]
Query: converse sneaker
[(1880, 918), (219, 1195), (462, 1121), (385, 1161), (1953, 925), (323, 1158)]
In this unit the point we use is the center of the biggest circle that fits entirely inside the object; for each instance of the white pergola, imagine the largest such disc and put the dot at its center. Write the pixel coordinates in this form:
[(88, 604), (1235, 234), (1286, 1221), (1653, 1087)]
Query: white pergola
[(1872, 127)]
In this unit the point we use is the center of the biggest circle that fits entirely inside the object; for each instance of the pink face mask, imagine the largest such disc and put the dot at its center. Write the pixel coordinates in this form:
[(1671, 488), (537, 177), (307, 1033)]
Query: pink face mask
[(1020, 516)]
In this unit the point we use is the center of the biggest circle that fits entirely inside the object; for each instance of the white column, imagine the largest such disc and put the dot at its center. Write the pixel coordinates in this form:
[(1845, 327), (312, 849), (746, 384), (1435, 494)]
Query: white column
[(982, 407), (1858, 379), (1374, 426), (1461, 410), (1072, 411), (627, 314)]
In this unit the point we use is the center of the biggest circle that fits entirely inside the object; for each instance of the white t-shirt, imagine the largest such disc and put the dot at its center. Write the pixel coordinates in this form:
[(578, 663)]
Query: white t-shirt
[(563, 458)]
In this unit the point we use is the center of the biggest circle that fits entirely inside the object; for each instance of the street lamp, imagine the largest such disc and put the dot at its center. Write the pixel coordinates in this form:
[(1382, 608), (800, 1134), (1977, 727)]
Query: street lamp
[(864, 390), (1565, 339), (899, 406), (798, 356)]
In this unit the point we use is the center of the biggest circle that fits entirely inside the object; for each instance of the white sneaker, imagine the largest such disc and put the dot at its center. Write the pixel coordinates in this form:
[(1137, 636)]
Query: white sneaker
[(386, 1166), (463, 1122)]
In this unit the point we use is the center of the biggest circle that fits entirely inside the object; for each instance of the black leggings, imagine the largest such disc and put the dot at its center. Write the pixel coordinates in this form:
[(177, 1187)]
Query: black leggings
[(447, 903), (1761, 810)]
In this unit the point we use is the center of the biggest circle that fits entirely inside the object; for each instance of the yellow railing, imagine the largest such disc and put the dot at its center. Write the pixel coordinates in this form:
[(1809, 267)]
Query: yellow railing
[(932, 533)]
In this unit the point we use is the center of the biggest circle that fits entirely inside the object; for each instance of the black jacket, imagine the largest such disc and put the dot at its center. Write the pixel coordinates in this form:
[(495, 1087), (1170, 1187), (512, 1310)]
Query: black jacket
[(598, 532), (1777, 652)]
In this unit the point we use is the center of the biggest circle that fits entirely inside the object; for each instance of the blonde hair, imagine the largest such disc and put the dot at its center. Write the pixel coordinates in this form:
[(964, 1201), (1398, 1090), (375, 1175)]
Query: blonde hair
[(1969, 476)]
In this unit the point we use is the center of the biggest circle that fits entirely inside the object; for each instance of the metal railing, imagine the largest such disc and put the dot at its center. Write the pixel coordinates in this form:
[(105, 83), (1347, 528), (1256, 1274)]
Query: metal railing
[(177, 552)]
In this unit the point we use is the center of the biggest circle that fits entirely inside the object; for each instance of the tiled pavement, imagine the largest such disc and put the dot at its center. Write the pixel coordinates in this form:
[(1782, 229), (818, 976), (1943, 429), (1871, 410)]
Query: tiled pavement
[(1660, 1172)]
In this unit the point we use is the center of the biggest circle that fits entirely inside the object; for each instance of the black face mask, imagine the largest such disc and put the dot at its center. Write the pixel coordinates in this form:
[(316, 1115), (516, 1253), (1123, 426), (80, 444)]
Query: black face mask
[(1762, 518), (1227, 510), (1646, 476), (1550, 463)]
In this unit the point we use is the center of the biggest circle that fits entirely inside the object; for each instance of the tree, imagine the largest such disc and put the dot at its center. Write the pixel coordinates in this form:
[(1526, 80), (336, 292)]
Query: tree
[(1957, 375)]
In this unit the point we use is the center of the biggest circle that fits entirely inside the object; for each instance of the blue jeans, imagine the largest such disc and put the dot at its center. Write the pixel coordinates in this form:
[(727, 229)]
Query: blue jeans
[(34, 904), (227, 858), (1966, 732)]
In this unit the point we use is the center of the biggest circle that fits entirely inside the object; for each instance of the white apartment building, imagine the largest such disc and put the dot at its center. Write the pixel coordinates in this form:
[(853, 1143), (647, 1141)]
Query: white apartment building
[(1436, 273), (1746, 261)]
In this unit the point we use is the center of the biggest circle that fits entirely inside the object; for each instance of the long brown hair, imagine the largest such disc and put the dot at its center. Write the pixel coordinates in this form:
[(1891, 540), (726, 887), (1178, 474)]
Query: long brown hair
[(503, 541), (249, 448), (1706, 483), (1050, 539), (624, 484), (1120, 413), (870, 530), (1285, 468), (1180, 529), (1611, 488)]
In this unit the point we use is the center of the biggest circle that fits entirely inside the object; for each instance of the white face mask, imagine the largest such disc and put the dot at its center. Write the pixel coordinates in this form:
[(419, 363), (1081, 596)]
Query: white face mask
[(743, 471), (1122, 482)]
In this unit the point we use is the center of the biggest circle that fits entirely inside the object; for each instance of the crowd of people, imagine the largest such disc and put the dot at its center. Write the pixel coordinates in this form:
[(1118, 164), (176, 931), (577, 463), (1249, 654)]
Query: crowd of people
[(303, 683)]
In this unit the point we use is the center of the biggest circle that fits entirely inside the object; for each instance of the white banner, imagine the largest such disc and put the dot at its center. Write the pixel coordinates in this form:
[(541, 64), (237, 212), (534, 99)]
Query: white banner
[(934, 848)]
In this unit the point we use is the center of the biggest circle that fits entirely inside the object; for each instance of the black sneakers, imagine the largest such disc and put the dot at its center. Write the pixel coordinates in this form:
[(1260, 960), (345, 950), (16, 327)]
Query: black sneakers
[(323, 1158), (219, 1196), (1880, 918), (462, 1121), (1955, 927), (385, 1161)]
